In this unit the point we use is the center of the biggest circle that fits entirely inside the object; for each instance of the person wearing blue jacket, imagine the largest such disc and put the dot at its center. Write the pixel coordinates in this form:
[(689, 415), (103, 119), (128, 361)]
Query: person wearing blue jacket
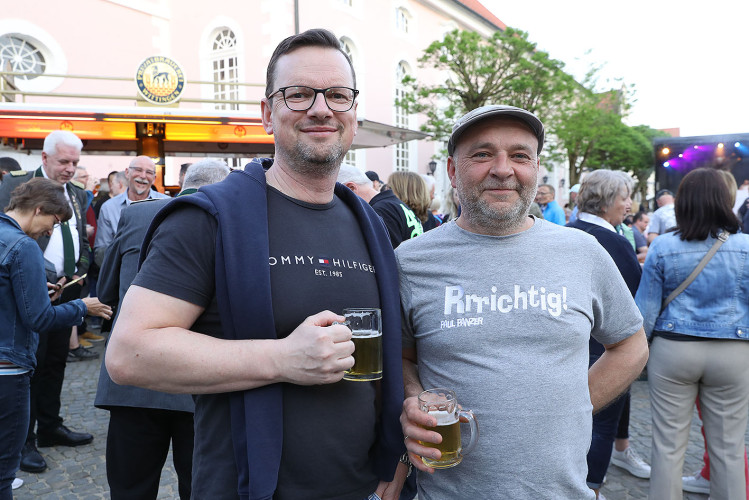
[(551, 210), (25, 309), (266, 262), (699, 346)]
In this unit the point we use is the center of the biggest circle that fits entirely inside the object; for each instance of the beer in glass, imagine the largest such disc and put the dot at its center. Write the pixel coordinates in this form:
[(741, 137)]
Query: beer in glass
[(442, 404), (366, 333)]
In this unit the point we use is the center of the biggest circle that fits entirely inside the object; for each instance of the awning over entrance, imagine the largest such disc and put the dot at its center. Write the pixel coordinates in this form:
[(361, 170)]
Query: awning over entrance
[(375, 135), (173, 131)]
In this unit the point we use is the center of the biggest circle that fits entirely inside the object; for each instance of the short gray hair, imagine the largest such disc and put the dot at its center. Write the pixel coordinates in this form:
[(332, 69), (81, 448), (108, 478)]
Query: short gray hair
[(120, 177), (204, 172), (57, 137), (599, 189), (350, 173)]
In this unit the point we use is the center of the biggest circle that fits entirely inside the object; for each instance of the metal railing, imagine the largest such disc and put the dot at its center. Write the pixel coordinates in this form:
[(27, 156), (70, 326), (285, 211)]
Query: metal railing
[(10, 90)]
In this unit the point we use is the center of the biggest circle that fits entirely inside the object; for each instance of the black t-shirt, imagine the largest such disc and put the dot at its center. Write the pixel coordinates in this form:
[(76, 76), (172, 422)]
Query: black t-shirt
[(318, 261), (401, 222)]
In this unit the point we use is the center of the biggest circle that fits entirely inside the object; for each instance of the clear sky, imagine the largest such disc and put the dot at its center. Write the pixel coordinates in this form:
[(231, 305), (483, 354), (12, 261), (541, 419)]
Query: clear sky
[(688, 61)]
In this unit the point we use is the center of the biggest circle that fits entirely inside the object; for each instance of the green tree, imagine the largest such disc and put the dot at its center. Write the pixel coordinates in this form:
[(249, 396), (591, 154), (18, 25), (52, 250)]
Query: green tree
[(580, 132), (505, 68), (643, 173), (592, 135)]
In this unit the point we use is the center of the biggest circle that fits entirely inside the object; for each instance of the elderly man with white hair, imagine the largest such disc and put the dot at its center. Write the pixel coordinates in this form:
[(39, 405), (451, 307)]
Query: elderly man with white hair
[(141, 173), (400, 221)]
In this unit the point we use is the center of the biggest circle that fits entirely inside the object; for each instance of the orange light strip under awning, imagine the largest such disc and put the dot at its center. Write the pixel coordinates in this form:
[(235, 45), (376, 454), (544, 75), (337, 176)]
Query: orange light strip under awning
[(39, 128), (246, 133)]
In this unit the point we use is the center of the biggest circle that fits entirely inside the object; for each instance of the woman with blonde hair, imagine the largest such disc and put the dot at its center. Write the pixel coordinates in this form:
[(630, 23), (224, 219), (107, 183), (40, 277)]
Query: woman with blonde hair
[(411, 189)]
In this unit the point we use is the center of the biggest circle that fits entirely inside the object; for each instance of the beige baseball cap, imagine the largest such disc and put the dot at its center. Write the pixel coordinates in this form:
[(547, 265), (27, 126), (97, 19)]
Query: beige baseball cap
[(491, 110)]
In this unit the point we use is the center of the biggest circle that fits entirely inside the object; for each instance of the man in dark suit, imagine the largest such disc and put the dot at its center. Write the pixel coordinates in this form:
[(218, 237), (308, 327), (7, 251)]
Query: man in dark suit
[(66, 255), (143, 422)]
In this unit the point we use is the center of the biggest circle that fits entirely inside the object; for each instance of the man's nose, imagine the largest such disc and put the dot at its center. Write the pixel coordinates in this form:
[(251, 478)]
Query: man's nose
[(501, 166), (319, 107)]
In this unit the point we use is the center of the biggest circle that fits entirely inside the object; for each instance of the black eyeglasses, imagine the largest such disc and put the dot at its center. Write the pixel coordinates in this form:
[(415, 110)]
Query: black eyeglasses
[(297, 98)]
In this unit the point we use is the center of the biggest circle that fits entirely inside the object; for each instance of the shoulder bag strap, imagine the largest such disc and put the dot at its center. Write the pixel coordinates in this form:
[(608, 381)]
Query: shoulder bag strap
[(722, 238)]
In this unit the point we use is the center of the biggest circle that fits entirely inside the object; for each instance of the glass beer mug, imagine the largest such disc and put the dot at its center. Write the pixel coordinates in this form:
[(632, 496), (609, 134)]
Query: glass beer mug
[(443, 405), (366, 333)]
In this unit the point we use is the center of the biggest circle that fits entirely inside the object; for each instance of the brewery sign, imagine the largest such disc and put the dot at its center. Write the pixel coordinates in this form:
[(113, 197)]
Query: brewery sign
[(160, 80)]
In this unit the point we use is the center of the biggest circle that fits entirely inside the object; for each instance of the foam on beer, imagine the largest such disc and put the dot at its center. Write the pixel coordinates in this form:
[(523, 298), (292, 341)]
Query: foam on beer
[(366, 333), (444, 417)]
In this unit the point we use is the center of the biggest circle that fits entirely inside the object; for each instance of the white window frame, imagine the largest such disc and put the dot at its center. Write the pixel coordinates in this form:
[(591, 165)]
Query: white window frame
[(54, 56)]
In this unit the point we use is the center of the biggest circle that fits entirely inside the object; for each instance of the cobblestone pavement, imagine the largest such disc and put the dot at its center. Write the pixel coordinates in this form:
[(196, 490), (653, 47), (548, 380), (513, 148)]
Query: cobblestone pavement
[(80, 473)]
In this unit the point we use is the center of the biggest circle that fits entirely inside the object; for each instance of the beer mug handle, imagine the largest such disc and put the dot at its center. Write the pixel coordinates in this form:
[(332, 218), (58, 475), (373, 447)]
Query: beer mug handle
[(474, 425)]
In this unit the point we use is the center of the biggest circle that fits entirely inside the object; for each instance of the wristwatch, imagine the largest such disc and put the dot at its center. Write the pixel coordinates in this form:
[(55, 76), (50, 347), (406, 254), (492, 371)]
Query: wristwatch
[(404, 460)]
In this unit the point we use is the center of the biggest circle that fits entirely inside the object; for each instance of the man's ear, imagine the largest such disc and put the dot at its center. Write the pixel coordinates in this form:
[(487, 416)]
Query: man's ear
[(451, 171), (352, 186), (265, 113)]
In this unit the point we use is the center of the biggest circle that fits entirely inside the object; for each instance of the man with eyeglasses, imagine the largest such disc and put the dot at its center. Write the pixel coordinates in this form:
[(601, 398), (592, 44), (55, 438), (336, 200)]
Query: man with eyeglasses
[(140, 176), (274, 254), (65, 255)]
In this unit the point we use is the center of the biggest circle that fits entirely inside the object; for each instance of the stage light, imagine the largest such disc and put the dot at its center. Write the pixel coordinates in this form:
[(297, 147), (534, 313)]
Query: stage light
[(681, 155), (696, 146), (720, 145), (665, 151), (737, 144), (666, 164)]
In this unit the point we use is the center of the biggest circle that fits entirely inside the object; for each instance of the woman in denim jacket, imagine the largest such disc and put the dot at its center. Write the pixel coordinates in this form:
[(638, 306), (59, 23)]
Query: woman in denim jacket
[(25, 308), (699, 341)]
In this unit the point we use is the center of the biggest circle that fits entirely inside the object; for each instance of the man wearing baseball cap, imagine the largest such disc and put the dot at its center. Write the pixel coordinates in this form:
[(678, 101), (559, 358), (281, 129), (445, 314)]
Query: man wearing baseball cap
[(492, 312)]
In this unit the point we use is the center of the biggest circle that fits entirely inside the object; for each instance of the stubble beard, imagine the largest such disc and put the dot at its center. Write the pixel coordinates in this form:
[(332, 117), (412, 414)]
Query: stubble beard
[(315, 162), (479, 213)]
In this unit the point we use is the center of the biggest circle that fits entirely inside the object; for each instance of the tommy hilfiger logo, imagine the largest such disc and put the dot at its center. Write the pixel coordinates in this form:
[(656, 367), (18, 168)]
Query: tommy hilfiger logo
[(318, 262)]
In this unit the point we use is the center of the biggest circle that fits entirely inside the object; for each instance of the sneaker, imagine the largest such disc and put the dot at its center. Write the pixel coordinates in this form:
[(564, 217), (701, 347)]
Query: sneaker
[(85, 343), (81, 354), (630, 461), (91, 337), (17, 483), (695, 483)]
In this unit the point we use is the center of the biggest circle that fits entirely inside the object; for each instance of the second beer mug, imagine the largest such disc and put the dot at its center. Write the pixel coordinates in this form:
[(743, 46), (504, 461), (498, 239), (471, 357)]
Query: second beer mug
[(443, 405), (366, 332)]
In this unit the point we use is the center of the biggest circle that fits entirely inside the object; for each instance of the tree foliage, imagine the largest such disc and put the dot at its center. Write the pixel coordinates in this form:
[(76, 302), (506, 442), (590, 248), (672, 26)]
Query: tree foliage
[(503, 69), (584, 128)]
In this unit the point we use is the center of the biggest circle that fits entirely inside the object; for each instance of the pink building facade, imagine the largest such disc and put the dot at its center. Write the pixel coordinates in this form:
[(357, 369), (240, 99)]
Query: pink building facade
[(226, 44)]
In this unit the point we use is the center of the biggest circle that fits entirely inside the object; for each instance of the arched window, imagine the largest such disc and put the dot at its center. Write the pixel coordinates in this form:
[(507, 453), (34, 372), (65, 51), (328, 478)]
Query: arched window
[(402, 18), (22, 56), (224, 66), (402, 156)]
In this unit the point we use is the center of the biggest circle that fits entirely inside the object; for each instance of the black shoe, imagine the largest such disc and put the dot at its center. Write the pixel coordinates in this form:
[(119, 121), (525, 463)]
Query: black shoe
[(81, 354), (31, 459), (64, 437)]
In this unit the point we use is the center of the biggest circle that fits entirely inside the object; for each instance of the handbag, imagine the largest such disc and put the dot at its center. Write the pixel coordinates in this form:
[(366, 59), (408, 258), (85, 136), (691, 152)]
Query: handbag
[(722, 238)]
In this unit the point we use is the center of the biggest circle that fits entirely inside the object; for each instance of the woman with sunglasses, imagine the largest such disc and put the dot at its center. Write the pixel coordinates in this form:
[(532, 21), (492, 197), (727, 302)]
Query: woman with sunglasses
[(25, 308)]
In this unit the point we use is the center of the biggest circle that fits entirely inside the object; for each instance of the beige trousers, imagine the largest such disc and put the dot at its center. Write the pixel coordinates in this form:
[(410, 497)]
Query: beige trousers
[(718, 372)]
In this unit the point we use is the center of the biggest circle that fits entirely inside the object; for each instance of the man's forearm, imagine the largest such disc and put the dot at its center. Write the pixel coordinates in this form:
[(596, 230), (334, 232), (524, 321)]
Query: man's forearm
[(411, 381), (175, 360), (618, 367), (152, 346)]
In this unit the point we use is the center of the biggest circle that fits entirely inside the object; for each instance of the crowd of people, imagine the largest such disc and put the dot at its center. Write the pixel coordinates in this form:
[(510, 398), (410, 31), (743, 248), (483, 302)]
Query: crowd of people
[(236, 357)]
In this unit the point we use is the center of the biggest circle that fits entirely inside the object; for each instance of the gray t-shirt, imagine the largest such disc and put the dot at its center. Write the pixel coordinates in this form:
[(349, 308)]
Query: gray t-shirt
[(662, 220), (505, 322)]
